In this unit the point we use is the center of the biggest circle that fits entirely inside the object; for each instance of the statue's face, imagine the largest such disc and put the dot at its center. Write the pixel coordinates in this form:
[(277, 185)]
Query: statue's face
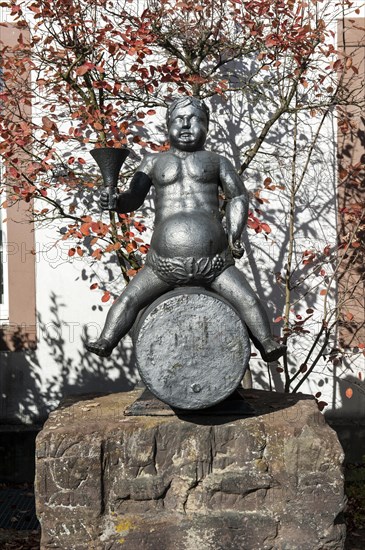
[(188, 128)]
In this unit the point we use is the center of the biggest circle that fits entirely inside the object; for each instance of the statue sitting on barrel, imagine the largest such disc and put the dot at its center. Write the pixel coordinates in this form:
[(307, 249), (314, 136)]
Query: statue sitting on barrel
[(190, 245)]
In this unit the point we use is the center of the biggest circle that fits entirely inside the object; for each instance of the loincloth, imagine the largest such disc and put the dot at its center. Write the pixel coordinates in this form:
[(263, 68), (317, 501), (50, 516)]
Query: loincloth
[(185, 271)]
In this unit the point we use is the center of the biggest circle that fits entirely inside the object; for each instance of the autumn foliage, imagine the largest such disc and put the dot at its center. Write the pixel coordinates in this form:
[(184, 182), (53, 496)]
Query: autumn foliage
[(95, 72)]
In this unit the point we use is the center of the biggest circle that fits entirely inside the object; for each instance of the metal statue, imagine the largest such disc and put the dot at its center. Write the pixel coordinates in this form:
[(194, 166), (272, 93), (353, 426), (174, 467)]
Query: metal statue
[(190, 245)]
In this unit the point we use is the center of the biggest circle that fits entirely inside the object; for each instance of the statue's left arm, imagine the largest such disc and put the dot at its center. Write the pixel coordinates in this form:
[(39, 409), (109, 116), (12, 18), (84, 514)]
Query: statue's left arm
[(133, 198), (237, 205)]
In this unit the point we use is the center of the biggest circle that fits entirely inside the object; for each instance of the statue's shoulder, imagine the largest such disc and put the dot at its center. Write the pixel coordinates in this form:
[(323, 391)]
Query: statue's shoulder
[(226, 164), (210, 156), (224, 159), (148, 162), (164, 158)]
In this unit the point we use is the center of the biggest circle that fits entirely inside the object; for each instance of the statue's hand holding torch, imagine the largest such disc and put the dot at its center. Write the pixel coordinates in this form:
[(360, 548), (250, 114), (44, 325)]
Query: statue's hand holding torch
[(109, 199), (110, 160)]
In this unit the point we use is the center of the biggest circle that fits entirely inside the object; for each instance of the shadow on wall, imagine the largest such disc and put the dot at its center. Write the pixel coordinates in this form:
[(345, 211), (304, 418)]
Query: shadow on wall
[(266, 255), (349, 420), (29, 387), (238, 124), (29, 392), (351, 390), (27, 396)]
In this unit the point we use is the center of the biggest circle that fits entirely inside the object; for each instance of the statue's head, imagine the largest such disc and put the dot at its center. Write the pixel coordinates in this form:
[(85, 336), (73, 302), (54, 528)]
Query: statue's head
[(185, 101), (187, 122)]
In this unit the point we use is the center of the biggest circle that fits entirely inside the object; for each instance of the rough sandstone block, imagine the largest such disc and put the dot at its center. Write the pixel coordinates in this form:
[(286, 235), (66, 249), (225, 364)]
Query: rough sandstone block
[(108, 481)]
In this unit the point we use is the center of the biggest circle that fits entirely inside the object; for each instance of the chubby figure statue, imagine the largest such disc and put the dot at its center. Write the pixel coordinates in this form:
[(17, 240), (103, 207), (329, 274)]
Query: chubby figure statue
[(190, 245)]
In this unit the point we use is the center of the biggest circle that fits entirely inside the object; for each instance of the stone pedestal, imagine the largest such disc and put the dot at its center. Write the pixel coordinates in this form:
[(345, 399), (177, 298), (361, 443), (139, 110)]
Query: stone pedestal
[(108, 481)]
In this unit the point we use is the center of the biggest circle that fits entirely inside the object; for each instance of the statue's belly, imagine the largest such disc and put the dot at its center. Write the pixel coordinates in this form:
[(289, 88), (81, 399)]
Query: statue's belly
[(189, 234)]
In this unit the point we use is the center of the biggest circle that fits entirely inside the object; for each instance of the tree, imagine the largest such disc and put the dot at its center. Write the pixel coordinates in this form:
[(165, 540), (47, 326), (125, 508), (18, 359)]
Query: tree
[(100, 69)]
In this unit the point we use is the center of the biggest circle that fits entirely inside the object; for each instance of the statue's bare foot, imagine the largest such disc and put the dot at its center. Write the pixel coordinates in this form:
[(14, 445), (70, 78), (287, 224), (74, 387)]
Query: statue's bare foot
[(101, 347), (272, 350)]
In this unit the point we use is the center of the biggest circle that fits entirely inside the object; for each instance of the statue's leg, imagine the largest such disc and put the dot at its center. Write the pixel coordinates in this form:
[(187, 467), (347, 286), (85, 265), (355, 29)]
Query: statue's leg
[(233, 286), (140, 292)]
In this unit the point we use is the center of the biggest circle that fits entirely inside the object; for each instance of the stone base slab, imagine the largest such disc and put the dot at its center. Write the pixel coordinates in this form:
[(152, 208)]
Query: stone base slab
[(109, 481)]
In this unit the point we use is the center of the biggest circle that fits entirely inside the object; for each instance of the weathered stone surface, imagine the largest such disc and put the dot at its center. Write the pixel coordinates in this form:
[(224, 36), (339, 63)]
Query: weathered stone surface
[(106, 481)]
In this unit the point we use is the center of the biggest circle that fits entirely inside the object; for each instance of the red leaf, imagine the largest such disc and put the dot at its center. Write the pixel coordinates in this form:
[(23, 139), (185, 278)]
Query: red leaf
[(71, 252), (253, 224), (323, 292), (105, 297), (349, 393), (343, 173), (95, 226), (272, 41), (97, 253), (94, 286), (266, 227), (47, 123), (83, 69), (85, 229)]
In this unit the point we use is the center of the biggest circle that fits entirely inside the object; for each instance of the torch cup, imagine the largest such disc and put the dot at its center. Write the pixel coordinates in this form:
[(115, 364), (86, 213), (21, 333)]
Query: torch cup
[(110, 160)]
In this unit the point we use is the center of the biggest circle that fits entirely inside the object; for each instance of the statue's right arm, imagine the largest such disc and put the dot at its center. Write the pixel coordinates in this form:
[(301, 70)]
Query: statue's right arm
[(134, 197)]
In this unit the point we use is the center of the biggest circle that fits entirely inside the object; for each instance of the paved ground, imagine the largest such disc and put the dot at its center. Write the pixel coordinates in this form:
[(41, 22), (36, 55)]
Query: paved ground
[(355, 540), (10, 539)]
